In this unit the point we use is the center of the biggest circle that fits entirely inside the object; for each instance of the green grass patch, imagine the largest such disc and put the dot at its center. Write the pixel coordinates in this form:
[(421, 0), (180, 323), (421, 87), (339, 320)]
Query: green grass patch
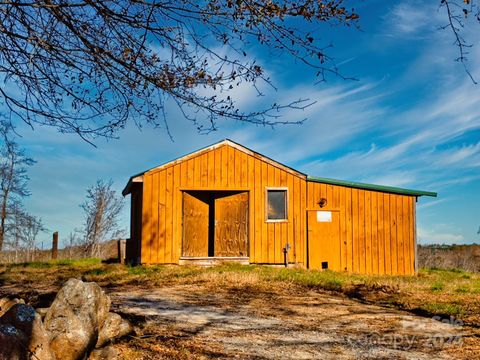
[(442, 308), (97, 272), (54, 263), (436, 287), (462, 289)]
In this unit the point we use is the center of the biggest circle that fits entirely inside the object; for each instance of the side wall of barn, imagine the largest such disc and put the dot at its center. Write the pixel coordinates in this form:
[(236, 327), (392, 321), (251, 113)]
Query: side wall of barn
[(222, 168), (377, 229)]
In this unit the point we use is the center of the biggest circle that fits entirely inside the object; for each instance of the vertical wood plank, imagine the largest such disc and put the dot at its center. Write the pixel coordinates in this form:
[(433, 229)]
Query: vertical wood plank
[(271, 226), (349, 227), (343, 229), (311, 196), (387, 236), (262, 215), (414, 235), (147, 219), (302, 224), (368, 231), (393, 233), (375, 252), (231, 166), (258, 200), (218, 168), (224, 166), (183, 174), (381, 234), (197, 171), (336, 196), (169, 216), (211, 168), (406, 235), (329, 195), (323, 193), (292, 221), (361, 230), (203, 159), (155, 245), (400, 241), (251, 208), (355, 232), (279, 227), (177, 215), (300, 214), (161, 215), (242, 179)]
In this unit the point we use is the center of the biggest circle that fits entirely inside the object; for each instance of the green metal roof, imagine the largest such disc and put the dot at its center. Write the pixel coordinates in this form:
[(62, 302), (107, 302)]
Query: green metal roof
[(358, 185)]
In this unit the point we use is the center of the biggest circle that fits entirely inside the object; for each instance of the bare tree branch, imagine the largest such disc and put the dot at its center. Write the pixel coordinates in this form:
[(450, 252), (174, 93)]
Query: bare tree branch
[(457, 13), (88, 67)]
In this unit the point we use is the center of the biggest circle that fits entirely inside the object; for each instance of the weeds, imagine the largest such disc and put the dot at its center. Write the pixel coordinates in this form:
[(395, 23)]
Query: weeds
[(436, 287), (432, 291)]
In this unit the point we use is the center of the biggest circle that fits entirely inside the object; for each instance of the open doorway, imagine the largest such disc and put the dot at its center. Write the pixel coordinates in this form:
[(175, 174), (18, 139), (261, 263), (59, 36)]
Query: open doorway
[(215, 224)]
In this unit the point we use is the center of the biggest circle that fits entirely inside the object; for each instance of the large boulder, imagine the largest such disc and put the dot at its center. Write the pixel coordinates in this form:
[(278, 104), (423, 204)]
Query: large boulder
[(75, 318), (105, 353), (29, 332), (114, 327)]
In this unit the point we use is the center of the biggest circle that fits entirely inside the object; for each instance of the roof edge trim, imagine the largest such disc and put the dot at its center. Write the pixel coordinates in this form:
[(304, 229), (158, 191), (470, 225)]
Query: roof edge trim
[(138, 178), (218, 144)]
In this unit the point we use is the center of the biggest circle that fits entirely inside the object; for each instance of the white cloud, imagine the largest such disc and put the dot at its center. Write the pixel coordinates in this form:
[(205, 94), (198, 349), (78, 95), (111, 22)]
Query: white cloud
[(426, 236), (409, 18)]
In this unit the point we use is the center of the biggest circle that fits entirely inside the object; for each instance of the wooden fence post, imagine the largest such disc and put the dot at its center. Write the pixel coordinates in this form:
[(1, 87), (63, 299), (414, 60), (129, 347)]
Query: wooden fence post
[(122, 251), (55, 246)]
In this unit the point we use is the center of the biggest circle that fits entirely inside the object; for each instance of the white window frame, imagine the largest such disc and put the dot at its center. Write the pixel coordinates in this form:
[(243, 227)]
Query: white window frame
[(267, 189)]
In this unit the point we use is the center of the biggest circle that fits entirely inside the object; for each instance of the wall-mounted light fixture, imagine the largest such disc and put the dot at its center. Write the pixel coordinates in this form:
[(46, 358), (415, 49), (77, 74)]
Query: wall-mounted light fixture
[(322, 203)]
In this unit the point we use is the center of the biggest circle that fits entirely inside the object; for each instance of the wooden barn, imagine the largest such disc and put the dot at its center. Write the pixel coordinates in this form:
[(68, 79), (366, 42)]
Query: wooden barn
[(227, 202)]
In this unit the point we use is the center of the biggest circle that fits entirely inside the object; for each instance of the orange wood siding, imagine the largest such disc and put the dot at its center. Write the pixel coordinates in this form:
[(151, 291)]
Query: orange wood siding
[(221, 169), (376, 229), (376, 232)]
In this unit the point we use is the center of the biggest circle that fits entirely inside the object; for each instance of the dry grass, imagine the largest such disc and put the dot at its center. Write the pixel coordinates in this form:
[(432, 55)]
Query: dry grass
[(262, 289), (466, 257), (432, 292)]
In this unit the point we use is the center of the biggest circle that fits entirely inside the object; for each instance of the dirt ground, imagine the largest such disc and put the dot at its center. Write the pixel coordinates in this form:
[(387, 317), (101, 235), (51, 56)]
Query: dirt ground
[(259, 313), (189, 322)]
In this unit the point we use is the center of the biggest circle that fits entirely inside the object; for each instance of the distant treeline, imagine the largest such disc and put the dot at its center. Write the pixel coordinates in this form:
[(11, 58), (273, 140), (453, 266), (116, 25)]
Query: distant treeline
[(464, 257)]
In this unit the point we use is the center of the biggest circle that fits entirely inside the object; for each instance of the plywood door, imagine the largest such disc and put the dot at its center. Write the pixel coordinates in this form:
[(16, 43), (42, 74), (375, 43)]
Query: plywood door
[(231, 224), (195, 224), (324, 239)]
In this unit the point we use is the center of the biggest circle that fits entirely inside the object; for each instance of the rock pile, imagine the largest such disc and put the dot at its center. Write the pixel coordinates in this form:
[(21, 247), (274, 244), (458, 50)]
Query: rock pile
[(78, 325)]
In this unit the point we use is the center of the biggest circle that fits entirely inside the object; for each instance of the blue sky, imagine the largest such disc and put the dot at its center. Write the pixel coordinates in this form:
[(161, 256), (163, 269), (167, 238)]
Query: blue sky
[(411, 120)]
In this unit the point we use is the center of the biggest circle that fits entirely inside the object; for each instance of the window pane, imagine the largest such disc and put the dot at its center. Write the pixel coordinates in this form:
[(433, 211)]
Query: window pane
[(277, 200)]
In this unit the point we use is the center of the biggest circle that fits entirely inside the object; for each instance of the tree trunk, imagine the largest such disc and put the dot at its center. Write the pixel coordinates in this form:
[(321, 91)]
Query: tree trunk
[(3, 216)]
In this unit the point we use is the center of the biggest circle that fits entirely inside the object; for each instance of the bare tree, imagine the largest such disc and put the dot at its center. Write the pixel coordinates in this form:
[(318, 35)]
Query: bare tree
[(32, 226), (21, 232), (13, 174), (102, 209), (88, 67)]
